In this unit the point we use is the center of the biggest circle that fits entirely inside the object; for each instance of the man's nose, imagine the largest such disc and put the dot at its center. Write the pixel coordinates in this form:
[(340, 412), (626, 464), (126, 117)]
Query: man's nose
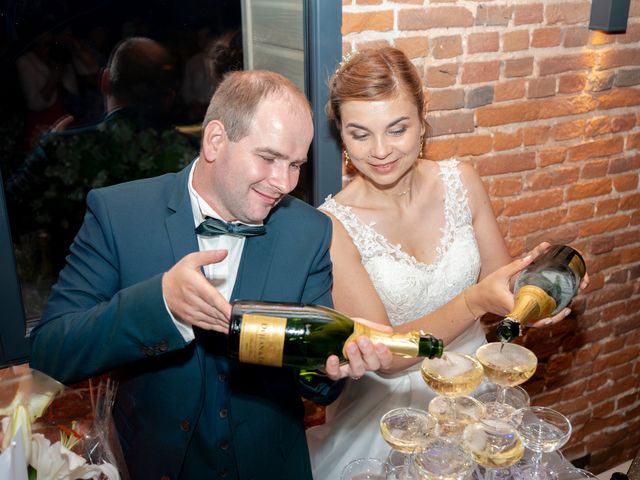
[(282, 178)]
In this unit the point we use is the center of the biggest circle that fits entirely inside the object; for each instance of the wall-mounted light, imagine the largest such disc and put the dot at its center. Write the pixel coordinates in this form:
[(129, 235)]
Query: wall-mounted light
[(609, 15)]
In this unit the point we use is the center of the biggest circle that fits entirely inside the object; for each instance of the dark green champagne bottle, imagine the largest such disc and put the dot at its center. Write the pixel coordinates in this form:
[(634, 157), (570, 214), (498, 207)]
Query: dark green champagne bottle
[(303, 336), (543, 289)]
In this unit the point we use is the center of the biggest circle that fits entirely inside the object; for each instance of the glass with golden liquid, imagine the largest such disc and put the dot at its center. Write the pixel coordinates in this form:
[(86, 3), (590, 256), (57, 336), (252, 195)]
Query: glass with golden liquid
[(452, 377), (494, 444), (408, 431), (506, 365)]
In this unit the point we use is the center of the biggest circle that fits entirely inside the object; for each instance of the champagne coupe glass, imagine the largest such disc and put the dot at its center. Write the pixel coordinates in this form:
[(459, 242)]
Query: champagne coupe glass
[(444, 459), (452, 377), (365, 469), (516, 397), (494, 444), (542, 430), (506, 365), (408, 431)]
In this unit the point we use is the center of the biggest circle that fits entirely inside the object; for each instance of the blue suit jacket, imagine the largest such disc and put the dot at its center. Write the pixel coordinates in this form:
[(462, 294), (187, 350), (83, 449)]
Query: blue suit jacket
[(106, 313)]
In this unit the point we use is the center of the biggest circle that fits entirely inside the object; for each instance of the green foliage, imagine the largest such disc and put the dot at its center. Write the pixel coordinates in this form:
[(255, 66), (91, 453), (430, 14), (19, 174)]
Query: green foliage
[(114, 152), (11, 145)]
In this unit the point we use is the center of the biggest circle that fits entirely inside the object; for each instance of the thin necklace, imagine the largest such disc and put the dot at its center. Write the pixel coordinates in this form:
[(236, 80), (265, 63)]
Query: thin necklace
[(403, 193)]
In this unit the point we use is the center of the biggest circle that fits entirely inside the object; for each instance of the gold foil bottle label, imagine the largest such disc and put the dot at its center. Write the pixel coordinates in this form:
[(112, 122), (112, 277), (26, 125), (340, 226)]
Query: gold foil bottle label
[(532, 304), (262, 339), (401, 344)]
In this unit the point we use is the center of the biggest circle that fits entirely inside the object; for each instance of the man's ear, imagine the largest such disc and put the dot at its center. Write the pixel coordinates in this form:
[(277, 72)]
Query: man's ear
[(104, 81), (214, 138)]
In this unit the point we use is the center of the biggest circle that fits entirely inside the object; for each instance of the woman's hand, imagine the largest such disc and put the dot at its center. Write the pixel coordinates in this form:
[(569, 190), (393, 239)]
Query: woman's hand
[(493, 293), (565, 311)]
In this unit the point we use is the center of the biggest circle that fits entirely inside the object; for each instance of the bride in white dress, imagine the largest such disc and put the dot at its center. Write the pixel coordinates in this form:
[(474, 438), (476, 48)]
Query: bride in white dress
[(411, 240)]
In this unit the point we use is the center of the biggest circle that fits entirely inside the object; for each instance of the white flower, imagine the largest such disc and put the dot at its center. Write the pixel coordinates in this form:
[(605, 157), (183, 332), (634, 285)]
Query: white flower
[(18, 423), (55, 462)]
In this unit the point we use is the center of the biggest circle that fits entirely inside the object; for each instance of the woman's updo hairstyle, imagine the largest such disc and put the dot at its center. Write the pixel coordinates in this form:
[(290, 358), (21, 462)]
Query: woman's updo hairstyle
[(373, 75)]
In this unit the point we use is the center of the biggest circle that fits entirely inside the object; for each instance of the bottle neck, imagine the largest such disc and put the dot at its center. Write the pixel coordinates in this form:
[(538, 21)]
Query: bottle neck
[(531, 304), (430, 347), (406, 345), (508, 330)]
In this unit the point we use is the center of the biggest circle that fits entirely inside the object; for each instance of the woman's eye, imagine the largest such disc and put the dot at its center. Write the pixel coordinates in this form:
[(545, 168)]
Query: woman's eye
[(359, 136), (398, 131)]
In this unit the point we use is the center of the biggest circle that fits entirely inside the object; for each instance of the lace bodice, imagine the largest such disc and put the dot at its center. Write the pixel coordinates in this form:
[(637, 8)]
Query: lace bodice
[(408, 288)]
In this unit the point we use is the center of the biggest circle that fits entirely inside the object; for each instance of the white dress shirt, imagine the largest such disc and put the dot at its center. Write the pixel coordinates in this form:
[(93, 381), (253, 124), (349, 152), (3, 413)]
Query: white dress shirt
[(222, 275)]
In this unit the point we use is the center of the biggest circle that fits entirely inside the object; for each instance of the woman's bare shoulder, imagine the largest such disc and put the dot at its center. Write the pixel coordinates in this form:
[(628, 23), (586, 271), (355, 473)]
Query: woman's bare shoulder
[(470, 178)]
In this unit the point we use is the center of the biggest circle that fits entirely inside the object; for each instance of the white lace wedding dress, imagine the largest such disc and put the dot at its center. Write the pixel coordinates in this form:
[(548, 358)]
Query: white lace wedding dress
[(409, 289)]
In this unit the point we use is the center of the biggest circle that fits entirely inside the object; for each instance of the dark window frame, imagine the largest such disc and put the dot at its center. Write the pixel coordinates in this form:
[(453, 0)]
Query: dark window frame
[(14, 344), (323, 52)]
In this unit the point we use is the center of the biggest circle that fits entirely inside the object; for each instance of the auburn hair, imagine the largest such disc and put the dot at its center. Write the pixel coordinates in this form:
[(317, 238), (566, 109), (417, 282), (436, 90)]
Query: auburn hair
[(373, 75)]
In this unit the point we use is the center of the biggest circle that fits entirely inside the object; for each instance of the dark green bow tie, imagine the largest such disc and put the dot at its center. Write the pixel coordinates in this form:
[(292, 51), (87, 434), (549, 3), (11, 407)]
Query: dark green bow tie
[(213, 226)]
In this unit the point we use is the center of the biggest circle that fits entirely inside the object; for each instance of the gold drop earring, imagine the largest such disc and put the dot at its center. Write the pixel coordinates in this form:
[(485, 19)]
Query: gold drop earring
[(347, 158), (420, 152)]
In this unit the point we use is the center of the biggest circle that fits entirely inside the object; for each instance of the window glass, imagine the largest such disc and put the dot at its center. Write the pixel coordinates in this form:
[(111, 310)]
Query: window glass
[(68, 125)]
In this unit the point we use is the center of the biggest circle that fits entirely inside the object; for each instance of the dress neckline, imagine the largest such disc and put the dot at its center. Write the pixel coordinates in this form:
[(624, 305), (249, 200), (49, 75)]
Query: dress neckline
[(443, 244)]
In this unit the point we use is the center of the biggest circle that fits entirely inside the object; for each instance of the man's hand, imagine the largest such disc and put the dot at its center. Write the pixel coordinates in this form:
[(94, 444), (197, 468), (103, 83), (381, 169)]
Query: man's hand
[(191, 298), (363, 355)]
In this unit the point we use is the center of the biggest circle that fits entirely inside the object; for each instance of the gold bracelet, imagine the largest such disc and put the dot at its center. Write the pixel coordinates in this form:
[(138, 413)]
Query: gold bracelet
[(466, 302)]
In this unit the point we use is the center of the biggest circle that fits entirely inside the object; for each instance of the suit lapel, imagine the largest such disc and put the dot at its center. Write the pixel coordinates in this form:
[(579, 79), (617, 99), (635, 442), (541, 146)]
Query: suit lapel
[(182, 235), (179, 224)]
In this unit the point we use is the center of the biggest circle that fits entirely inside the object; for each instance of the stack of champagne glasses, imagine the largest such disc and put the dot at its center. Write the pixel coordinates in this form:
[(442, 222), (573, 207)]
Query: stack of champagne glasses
[(491, 432), (495, 435)]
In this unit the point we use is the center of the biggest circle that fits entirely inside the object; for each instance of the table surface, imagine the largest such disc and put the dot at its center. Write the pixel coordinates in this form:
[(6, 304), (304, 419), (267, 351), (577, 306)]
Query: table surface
[(620, 468)]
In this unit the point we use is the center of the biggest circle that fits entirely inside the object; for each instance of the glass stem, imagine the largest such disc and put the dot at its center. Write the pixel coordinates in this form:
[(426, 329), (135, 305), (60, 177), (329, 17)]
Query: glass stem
[(501, 394), (452, 407), (537, 464)]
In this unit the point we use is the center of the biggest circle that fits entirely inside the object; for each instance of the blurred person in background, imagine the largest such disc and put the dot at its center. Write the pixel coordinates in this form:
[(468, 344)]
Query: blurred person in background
[(46, 77), (204, 70), (135, 139)]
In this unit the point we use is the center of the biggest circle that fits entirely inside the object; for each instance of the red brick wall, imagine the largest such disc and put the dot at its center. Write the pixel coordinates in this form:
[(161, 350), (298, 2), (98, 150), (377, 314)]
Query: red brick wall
[(548, 112)]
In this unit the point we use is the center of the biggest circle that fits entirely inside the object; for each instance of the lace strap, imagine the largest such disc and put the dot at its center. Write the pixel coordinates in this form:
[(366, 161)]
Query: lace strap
[(456, 205), (352, 224), (368, 242)]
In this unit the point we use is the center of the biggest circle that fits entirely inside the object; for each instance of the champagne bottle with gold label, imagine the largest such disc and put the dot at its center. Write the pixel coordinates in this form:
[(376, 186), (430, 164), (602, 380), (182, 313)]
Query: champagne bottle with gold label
[(543, 289), (303, 336)]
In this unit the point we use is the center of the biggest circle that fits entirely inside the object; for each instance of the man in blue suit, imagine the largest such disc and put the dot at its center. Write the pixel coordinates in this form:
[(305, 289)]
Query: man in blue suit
[(147, 298)]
